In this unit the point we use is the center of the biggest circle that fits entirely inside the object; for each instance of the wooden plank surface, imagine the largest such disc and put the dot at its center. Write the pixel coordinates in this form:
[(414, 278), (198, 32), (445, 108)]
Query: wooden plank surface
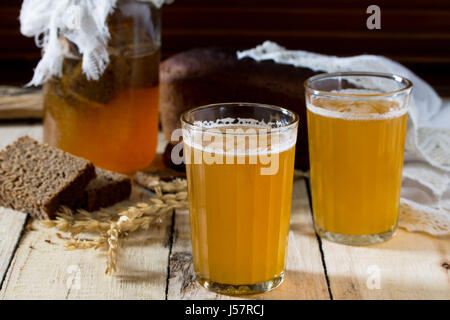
[(10, 132), (20, 103), (305, 277), (11, 226), (42, 269), (409, 266), (12, 222)]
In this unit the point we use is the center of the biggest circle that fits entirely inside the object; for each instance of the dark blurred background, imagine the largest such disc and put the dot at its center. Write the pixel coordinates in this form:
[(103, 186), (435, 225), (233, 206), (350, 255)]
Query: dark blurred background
[(415, 33)]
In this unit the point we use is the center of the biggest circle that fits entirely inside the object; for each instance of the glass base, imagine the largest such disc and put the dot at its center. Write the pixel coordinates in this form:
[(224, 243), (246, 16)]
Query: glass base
[(240, 289), (356, 240)]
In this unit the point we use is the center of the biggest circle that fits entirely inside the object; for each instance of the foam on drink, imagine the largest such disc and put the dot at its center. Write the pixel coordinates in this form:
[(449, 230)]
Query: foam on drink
[(357, 109), (240, 137)]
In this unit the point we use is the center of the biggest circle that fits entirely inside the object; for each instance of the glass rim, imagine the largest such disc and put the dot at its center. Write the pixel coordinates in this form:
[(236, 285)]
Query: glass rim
[(394, 77), (292, 123)]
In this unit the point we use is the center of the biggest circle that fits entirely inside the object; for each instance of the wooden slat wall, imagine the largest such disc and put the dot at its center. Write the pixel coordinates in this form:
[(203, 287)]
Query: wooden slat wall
[(416, 33)]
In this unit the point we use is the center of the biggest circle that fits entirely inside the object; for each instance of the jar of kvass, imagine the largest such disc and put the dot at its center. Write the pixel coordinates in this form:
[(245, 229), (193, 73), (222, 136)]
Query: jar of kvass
[(113, 120)]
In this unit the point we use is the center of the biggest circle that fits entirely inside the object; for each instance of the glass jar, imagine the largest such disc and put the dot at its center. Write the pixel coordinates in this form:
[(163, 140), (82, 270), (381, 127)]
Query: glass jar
[(112, 121)]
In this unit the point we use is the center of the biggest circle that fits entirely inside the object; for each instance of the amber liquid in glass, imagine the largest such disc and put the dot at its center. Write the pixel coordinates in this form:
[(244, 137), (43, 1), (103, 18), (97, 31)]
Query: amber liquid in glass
[(356, 158), (239, 218)]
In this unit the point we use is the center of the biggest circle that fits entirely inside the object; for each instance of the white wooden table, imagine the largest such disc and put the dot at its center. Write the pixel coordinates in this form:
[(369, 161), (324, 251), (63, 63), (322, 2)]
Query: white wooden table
[(157, 264)]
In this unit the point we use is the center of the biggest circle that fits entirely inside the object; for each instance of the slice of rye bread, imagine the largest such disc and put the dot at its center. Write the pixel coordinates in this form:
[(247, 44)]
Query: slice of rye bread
[(37, 178), (105, 190)]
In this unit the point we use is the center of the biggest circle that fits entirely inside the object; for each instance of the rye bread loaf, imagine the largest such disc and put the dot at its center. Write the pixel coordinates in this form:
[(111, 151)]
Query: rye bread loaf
[(213, 75), (105, 190), (36, 178)]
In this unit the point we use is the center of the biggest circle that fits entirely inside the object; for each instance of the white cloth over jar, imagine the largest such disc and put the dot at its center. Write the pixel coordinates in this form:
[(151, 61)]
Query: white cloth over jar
[(83, 22), (425, 196)]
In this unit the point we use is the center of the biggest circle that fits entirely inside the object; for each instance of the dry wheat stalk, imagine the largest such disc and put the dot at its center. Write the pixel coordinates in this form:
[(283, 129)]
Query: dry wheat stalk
[(153, 181), (176, 185), (173, 186), (111, 225)]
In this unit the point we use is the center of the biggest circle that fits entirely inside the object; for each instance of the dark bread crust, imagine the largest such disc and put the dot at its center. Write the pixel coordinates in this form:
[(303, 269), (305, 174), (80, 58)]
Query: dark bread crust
[(36, 178), (107, 189), (68, 195), (213, 75)]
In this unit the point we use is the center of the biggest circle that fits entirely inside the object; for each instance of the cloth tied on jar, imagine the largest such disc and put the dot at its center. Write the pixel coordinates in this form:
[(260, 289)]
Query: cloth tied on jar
[(82, 22)]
